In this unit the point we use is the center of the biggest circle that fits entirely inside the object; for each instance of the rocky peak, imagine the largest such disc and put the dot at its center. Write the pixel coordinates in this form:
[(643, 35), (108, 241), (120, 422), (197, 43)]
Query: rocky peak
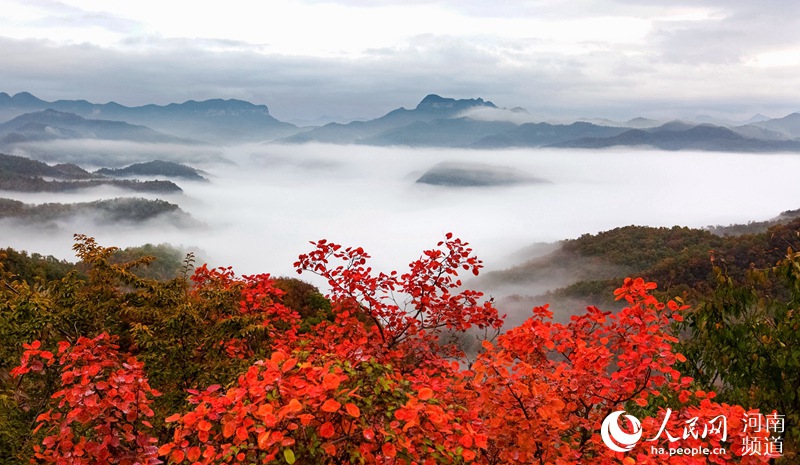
[(434, 102)]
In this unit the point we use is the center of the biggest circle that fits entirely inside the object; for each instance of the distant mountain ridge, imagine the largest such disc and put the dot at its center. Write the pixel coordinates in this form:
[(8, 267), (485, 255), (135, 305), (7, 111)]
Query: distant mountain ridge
[(53, 125), (215, 121), (432, 107), (445, 122), (435, 121), (682, 136), (544, 134)]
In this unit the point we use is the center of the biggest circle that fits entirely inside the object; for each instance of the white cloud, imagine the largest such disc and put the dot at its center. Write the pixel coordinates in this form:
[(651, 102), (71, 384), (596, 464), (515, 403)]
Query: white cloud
[(357, 58)]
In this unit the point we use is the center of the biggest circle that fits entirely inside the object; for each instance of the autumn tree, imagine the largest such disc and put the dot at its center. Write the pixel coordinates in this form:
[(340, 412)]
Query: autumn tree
[(545, 387), (101, 412), (374, 375)]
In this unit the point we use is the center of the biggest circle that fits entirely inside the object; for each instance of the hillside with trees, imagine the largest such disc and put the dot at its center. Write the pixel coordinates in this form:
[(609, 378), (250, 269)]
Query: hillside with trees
[(20, 174), (155, 168), (120, 210), (105, 366), (680, 259)]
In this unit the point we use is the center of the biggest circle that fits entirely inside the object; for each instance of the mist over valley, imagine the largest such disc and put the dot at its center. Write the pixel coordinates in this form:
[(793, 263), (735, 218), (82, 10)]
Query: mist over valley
[(263, 204), (253, 198)]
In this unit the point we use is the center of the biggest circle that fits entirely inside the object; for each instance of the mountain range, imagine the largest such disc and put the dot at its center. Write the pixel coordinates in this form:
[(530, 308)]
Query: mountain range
[(215, 121), (50, 124), (435, 122)]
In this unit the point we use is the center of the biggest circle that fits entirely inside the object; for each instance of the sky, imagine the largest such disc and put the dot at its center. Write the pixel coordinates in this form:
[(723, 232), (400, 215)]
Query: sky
[(307, 59)]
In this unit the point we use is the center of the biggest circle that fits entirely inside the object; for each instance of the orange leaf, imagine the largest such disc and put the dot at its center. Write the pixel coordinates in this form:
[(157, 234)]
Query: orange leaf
[(264, 409), (177, 456), (388, 449), (263, 440), (165, 449), (329, 449), (295, 406), (289, 364), (353, 410), (193, 454), (228, 429), (326, 430), (330, 406), (425, 393), (330, 381)]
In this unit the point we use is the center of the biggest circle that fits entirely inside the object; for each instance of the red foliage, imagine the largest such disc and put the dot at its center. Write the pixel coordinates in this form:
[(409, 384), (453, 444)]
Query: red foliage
[(100, 414), (409, 312), (546, 387), (381, 384)]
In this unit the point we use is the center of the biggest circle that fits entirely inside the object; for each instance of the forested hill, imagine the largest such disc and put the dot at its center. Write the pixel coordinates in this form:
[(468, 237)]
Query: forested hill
[(680, 259), (22, 174), (155, 168), (125, 212), (22, 166)]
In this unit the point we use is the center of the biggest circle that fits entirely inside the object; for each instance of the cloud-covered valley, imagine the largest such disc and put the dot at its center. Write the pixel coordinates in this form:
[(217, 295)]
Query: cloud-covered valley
[(265, 202)]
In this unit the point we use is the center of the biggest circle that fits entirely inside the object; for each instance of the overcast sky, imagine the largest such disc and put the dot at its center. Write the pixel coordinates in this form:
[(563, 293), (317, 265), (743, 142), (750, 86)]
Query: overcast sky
[(362, 58)]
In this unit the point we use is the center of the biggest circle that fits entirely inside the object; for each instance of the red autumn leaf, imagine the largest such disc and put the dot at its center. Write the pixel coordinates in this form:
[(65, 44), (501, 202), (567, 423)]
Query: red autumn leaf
[(425, 393), (193, 454), (264, 440), (329, 448), (326, 430), (177, 456), (330, 381), (165, 449), (228, 429), (294, 406), (388, 449), (352, 410), (330, 406), (289, 365)]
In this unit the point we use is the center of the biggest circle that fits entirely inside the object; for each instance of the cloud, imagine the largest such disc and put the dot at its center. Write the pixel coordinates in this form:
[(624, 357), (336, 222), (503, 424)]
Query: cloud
[(262, 211), (552, 58)]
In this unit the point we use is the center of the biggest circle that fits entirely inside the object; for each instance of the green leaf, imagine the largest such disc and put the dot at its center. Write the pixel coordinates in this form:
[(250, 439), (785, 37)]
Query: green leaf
[(289, 456)]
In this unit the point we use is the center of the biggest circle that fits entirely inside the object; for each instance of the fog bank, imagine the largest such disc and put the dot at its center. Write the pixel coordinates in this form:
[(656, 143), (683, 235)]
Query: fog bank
[(262, 210)]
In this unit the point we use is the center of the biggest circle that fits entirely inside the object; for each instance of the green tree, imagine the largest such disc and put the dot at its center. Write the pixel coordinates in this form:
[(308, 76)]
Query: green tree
[(744, 342)]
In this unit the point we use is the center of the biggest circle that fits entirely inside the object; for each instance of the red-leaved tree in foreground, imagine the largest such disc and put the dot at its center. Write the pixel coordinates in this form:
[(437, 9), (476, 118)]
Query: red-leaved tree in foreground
[(100, 414), (384, 382)]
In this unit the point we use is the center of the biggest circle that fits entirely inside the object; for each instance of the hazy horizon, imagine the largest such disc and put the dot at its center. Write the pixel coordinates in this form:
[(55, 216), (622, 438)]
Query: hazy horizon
[(352, 59)]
